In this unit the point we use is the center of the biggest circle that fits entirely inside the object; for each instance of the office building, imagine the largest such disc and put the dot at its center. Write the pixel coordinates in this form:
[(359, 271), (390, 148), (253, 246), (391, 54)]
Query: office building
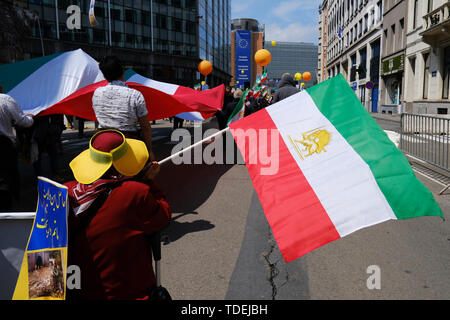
[(427, 62), (292, 57), (247, 37), (354, 46), (161, 39), (392, 84), (322, 42)]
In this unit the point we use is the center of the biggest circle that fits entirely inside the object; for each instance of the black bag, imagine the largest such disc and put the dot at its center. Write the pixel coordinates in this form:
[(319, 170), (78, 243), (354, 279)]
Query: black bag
[(158, 292)]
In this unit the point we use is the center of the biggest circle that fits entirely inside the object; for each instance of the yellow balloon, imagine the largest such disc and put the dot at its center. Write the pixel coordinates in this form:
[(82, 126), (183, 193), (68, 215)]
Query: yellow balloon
[(274, 43), (203, 83), (298, 76), (263, 57), (303, 84)]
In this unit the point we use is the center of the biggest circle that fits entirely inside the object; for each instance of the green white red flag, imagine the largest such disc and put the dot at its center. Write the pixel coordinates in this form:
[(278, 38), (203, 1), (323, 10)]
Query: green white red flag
[(264, 77), (239, 110), (337, 170)]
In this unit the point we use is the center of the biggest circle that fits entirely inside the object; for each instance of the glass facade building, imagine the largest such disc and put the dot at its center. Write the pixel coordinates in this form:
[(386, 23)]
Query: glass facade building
[(183, 31), (214, 32), (292, 57)]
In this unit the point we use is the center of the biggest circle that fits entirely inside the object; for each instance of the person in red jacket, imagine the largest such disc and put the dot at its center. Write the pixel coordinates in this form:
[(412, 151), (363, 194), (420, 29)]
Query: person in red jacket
[(108, 238)]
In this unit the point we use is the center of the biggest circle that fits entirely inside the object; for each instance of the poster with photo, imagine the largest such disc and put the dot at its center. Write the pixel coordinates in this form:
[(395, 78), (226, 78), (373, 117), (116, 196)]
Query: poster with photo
[(44, 265)]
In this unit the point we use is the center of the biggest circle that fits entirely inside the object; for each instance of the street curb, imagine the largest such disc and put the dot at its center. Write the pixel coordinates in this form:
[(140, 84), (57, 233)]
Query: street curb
[(385, 119)]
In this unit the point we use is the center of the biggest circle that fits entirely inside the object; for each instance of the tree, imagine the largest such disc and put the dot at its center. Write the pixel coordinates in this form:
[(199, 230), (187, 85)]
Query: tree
[(15, 27)]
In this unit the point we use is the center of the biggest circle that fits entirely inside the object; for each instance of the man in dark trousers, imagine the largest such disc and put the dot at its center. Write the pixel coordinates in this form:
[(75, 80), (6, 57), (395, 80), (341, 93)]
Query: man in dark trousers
[(10, 115), (286, 87)]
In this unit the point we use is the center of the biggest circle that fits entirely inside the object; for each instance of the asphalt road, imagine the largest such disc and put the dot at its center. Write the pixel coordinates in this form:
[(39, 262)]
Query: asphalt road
[(227, 250), (220, 246)]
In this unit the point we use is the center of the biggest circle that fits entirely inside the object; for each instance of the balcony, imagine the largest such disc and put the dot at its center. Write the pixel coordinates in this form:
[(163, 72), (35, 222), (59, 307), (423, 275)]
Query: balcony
[(436, 25)]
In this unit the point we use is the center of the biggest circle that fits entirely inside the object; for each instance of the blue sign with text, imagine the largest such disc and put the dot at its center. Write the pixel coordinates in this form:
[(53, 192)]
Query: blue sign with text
[(50, 224), (243, 59)]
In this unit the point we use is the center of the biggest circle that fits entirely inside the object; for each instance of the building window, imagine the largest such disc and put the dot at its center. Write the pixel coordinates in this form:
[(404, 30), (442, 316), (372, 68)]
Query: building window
[(393, 38), (360, 26), (416, 4), (402, 28), (380, 10), (446, 73), (430, 6), (363, 64), (366, 23), (426, 74)]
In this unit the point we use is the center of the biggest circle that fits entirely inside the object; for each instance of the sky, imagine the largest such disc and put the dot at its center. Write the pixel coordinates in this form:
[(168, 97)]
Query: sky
[(285, 20)]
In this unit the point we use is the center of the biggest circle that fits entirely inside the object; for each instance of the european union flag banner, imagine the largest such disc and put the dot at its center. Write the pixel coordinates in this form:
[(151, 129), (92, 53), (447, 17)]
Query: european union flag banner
[(243, 59), (42, 275)]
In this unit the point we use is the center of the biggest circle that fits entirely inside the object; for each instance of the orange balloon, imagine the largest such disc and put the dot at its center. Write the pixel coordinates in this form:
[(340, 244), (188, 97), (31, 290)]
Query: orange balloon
[(205, 67), (306, 76), (263, 57)]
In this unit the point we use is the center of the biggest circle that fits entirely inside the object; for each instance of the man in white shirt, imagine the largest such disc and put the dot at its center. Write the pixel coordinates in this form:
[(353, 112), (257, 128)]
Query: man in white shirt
[(10, 115), (118, 107)]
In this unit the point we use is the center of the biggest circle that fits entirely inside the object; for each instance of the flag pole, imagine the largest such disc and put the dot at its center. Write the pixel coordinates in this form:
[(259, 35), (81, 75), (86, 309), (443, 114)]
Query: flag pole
[(194, 145)]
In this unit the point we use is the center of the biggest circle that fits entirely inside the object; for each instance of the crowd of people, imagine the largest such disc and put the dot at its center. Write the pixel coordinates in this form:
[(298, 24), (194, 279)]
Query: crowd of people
[(255, 101), (115, 204)]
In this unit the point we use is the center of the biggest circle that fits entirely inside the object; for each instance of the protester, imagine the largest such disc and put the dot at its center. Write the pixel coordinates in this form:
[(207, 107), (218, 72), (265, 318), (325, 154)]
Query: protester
[(228, 97), (80, 127), (177, 122), (118, 107), (227, 110), (10, 115), (47, 135), (232, 105), (286, 87), (114, 206), (220, 114), (256, 104)]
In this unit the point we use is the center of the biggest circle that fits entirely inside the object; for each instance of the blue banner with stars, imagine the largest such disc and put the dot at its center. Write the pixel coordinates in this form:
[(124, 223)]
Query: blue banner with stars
[(243, 59)]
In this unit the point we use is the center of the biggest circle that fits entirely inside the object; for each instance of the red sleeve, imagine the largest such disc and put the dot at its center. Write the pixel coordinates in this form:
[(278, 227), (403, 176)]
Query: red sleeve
[(153, 212)]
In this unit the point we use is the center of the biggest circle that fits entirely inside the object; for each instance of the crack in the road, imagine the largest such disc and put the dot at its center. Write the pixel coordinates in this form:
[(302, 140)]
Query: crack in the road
[(272, 266)]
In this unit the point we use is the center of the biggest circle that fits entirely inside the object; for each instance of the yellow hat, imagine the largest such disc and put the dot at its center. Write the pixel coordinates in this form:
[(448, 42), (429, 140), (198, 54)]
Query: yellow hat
[(109, 148)]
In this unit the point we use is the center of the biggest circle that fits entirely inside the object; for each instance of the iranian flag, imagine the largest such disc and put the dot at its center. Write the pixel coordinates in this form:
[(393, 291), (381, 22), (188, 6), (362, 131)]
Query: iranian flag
[(264, 77), (176, 97), (336, 171), (64, 82), (239, 109), (39, 83)]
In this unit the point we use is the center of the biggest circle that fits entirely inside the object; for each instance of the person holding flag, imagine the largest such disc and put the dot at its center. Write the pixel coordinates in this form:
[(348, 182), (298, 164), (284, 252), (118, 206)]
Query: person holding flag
[(114, 206), (285, 88), (10, 115), (117, 106)]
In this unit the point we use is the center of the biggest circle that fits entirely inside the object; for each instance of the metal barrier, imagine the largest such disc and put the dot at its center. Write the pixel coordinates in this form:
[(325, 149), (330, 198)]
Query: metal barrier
[(426, 138)]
